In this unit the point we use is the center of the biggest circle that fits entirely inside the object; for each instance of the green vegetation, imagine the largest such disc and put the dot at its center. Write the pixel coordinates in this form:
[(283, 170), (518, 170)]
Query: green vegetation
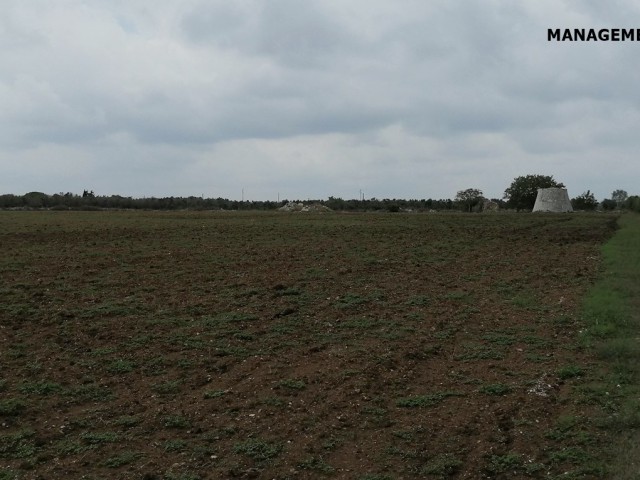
[(496, 389), (316, 464), (612, 313), (443, 465), (292, 384), (522, 192), (425, 400), (11, 406), (176, 421), (258, 449)]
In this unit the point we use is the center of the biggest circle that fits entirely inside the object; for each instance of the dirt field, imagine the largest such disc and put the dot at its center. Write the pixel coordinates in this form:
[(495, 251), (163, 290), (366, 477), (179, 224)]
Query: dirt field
[(289, 346)]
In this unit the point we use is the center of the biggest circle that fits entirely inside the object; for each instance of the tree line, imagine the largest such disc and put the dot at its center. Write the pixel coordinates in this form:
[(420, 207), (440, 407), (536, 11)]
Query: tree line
[(89, 201), (520, 195)]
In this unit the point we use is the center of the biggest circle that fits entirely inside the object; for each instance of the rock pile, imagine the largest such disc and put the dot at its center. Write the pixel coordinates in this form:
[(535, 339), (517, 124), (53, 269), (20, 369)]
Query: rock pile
[(301, 207)]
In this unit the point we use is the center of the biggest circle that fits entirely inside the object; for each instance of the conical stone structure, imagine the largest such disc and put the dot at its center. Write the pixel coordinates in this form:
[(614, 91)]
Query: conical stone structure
[(552, 200)]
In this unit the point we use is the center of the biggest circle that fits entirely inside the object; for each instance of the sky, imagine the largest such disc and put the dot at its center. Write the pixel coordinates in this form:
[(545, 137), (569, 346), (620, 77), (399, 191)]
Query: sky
[(292, 99)]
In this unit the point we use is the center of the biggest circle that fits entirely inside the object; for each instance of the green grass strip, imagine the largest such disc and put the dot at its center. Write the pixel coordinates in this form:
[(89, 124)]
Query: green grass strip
[(612, 312)]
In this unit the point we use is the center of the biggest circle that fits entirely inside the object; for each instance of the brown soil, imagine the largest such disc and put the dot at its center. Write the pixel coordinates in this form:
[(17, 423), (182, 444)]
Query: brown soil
[(198, 345)]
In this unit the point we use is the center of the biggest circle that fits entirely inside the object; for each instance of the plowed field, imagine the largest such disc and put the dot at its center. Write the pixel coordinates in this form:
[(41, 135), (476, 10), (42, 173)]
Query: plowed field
[(288, 346)]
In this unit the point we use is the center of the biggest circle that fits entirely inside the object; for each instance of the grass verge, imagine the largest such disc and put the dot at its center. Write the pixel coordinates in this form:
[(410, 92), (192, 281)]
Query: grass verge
[(612, 312)]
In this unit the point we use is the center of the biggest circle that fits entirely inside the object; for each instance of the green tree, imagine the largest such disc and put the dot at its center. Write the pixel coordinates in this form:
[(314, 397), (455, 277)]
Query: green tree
[(619, 196), (35, 199), (586, 201), (523, 191), (469, 198), (632, 203)]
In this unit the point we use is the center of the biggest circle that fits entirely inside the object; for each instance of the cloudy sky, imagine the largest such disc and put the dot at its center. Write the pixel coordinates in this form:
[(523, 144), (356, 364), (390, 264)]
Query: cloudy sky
[(314, 98)]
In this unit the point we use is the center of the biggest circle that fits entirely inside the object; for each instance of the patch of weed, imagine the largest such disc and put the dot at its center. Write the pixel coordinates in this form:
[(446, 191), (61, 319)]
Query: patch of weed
[(176, 445), (569, 371), (359, 323), (444, 465), (89, 393), (418, 300), (316, 464), (121, 366), (97, 438), (127, 421), (405, 454), (353, 300), (499, 338), (332, 443), (424, 400), (176, 421), (140, 341), (40, 388), (444, 334), (510, 462), (258, 449), (479, 352), (535, 357), (155, 366), (214, 393), (99, 352), (228, 317), (535, 341), (167, 387), (8, 474), (12, 406), (573, 455), (459, 296), (292, 384), (274, 402), (525, 301), (68, 446), (17, 445), (497, 389)]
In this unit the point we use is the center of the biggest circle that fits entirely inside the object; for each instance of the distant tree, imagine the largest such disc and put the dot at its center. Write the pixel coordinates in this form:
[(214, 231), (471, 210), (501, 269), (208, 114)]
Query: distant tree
[(88, 194), (632, 203), (35, 199), (586, 201), (469, 198), (523, 191), (619, 196), (609, 204), (9, 200)]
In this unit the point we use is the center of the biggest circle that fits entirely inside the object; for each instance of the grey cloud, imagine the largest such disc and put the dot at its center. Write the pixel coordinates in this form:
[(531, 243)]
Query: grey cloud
[(298, 34), (395, 90)]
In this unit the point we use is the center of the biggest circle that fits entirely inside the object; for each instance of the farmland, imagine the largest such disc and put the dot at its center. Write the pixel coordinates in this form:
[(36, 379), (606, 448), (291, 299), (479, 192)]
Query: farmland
[(194, 345)]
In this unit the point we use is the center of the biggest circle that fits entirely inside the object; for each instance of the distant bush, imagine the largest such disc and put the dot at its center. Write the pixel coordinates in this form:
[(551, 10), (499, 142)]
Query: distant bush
[(586, 201)]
